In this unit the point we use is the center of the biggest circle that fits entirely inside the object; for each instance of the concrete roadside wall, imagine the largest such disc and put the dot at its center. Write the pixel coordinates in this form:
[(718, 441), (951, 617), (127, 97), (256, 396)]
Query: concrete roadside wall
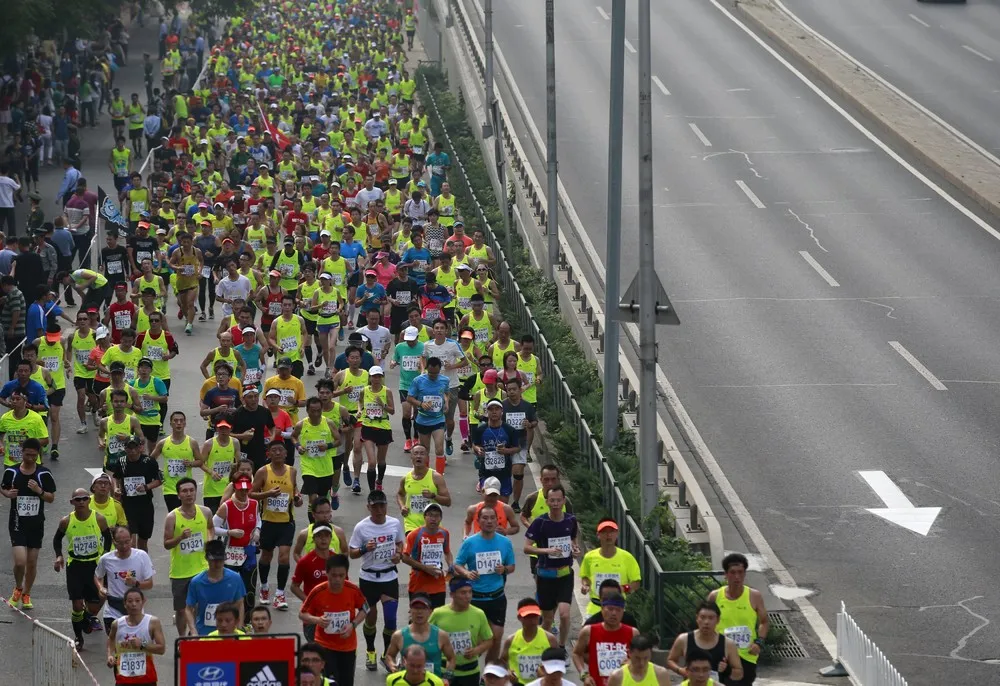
[(911, 129)]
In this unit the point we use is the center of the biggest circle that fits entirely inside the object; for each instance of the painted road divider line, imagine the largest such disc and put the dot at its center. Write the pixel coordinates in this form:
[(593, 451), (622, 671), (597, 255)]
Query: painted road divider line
[(701, 136), (750, 194), (918, 365), (819, 268)]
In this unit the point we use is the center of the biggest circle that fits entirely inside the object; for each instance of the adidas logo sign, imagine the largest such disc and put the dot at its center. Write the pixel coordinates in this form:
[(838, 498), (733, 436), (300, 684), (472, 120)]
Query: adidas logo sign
[(265, 677)]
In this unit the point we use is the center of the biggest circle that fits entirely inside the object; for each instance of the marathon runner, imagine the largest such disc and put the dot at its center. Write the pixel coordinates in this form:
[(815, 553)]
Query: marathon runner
[(468, 630), (135, 479), (133, 639), (601, 649), (419, 632), (744, 618), (706, 640), (522, 651), (118, 571), (277, 486)]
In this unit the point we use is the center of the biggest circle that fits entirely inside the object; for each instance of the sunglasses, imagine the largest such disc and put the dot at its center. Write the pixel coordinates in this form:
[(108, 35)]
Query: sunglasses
[(80, 499)]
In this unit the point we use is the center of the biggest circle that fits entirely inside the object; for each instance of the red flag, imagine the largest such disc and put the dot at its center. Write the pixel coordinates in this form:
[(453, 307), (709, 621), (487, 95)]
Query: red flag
[(279, 138)]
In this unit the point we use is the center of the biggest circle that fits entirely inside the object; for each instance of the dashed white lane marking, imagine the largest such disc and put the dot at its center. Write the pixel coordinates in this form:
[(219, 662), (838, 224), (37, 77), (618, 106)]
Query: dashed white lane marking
[(978, 54), (819, 268), (659, 84), (701, 136), (607, 17), (629, 46), (750, 194), (920, 21), (918, 365)]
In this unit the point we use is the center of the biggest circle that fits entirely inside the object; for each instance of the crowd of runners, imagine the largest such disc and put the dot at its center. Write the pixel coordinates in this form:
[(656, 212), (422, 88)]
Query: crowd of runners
[(299, 213)]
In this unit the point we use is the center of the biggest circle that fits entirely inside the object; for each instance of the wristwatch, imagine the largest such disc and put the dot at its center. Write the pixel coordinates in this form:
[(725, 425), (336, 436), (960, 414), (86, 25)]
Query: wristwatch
[(759, 642)]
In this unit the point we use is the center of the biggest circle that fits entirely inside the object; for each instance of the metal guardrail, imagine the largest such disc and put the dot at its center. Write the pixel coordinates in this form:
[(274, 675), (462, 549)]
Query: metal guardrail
[(675, 597), (859, 658)]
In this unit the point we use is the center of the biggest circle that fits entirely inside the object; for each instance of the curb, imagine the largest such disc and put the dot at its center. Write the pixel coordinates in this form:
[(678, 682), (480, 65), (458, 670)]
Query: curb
[(910, 129)]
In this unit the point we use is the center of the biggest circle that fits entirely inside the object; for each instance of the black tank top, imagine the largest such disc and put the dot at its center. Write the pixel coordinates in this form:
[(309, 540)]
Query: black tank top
[(717, 652)]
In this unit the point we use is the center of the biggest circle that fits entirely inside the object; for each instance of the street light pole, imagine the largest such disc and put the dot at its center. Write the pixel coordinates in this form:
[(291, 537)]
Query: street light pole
[(552, 212), (612, 366), (648, 459), (488, 30)]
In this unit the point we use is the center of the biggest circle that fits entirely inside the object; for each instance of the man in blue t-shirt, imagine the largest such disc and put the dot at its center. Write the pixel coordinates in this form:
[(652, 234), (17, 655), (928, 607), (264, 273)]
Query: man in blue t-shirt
[(417, 257), (211, 588), (485, 559), (33, 391), (429, 394)]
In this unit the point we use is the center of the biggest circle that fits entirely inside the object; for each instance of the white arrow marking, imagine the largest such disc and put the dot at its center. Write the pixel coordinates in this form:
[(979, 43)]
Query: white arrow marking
[(898, 508), (94, 471)]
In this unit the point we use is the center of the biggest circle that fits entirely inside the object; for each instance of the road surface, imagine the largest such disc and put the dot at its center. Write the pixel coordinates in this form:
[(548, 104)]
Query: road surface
[(943, 55), (825, 295)]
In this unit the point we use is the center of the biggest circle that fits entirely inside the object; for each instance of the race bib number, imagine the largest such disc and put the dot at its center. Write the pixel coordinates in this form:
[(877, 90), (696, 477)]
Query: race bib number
[(278, 503), (146, 403), (418, 150), (384, 552), (210, 614), (417, 503), (287, 397), (515, 419), (432, 554), (138, 206), (411, 364), (338, 279), (354, 395), (222, 468), (85, 546), (315, 448), (482, 335), (123, 319), (274, 308), (132, 664), (432, 313), (404, 297), (493, 461), (289, 343), (132, 484), (50, 363), (740, 635), (527, 665), (235, 556), (488, 561), (251, 376), (81, 355), (328, 308), (464, 303), (610, 656), (114, 267), (130, 374), (187, 269), (287, 270), (116, 445), (436, 401), (176, 468), (373, 411), (460, 641), (601, 577), (530, 376), (352, 262), (206, 272), (28, 505), (14, 449), (194, 544), (564, 543), (336, 622), (155, 353), (435, 245)]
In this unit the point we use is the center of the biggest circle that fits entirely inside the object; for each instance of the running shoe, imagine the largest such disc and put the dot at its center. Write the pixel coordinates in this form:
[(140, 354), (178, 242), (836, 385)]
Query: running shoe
[(15, 597), (188, 329), (356, 488), (96, 624), (202, 317), (371, 661), (279, 601), (211, 314), (180, 314), (78, 644), (407, 445), (26, 602), (449, 447), (378, 485), (516, 506), (83, 429), (311, 371), (464, 447), (347, 477), (265, 595), (54, 453), (335, 501)]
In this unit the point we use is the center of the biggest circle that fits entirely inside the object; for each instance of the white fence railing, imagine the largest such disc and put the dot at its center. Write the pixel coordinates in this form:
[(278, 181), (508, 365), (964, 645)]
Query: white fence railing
[(56, 660), (859, 657)]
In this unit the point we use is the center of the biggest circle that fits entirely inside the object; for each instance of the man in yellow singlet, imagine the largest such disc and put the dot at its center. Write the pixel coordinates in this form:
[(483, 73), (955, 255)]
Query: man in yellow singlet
[(187, 261), (276, 486), (638, 670), (744, 617)]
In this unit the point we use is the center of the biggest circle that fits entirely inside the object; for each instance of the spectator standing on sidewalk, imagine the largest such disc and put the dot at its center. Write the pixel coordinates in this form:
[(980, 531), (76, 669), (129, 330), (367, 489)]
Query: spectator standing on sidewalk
[(60, 135), (6, 256), (71, 178), (9, 186), (12, 319), (83, 233)]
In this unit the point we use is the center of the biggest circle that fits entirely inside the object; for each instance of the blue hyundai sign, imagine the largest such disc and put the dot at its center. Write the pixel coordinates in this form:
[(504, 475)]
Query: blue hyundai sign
[(211, 674)]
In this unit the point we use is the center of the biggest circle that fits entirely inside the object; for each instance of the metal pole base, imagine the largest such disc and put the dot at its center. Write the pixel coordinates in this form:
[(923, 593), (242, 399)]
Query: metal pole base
[(836, 669)]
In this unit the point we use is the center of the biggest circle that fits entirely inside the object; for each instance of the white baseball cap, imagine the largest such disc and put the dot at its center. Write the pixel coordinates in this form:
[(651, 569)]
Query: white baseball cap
[(553, 666), (410, 333), (491, 485), (495, 670), (376, 370)]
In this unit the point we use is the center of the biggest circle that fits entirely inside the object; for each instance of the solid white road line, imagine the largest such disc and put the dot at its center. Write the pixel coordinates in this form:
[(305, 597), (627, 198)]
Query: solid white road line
[(920, 21), (607, 17), (659, 84), (977, 53), (819, 268), (629, 46), (916, 364), (701, 136), (750, 194)]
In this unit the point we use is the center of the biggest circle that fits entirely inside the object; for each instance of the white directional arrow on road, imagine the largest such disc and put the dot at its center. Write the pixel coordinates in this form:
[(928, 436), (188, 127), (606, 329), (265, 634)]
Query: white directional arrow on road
[(898, 508)]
